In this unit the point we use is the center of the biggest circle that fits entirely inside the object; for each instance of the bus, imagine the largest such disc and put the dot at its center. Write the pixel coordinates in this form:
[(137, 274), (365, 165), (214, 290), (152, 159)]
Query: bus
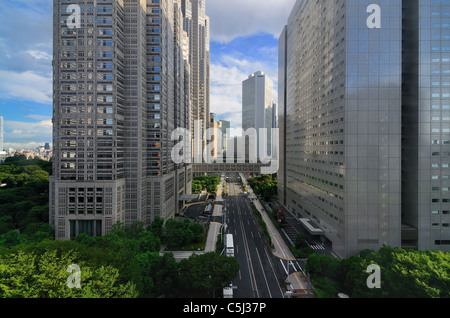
[(229, 245)]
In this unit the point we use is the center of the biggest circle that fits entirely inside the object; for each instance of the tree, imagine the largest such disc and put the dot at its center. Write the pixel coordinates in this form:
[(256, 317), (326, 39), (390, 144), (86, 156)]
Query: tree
[(198, 232), (175, 235), (264, 185), (404, 274), (25, 198), (200, 275), (208, 183), (157, 227), (6, 224), (160, 274), (11, 238), (149, 242), (302, 249), (30, 275)]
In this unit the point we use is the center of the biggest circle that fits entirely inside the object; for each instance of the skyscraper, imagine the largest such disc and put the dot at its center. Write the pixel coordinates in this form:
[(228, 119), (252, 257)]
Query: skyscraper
[(340, 101), (257, 106), (214, 124), (224, 126), (364, 124), (426, 124), (197, 26), (121, 87)]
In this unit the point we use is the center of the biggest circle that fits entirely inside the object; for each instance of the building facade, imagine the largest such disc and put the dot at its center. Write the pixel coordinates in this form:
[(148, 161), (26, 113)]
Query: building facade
[(257, 108), (364, 121), (214, 124), (340, 112), (196, 24), (120, 89), (225, 127), (426, 124)]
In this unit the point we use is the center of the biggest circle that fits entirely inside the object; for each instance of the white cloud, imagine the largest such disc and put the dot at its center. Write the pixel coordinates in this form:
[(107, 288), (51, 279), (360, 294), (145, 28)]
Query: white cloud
[(39, 55), (27, 86), (227, 75), (37, 117), (234, 18), (26, 36), (20, 134)]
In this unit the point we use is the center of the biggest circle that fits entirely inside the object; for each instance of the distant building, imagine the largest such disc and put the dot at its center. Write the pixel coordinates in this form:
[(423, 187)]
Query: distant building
[(257, 107), (224, 126), (274, 115), (214, 124)]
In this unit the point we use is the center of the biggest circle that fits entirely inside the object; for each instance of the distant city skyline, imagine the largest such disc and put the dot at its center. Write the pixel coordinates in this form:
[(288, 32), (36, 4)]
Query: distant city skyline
[(237, 49)]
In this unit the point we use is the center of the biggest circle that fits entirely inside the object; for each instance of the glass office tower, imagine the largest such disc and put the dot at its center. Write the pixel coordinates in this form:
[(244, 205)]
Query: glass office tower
[(426, 124), (365, 122), (121, 86), (340, 118)]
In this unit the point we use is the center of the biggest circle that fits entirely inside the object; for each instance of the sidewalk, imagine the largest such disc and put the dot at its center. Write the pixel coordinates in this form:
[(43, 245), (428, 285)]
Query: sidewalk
[(281, 249)]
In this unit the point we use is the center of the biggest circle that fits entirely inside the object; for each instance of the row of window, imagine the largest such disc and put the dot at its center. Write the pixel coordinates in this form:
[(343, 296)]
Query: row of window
[(81, 65), (88, 8)]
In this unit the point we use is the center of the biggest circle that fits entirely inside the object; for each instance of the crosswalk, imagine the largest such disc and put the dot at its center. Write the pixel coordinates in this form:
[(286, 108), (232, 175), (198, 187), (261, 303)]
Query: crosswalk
[(317, 247), (292, 233)]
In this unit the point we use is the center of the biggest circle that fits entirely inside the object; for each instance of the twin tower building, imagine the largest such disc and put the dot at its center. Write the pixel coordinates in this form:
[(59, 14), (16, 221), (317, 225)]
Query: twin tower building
[(127, 73)]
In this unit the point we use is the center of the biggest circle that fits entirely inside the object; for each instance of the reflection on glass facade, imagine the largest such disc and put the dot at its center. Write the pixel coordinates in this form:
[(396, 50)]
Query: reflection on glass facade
[(340, 107), (426, 129)]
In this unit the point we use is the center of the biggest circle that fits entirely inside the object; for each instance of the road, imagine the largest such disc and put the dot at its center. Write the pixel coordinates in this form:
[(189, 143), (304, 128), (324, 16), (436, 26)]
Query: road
[(262, 275)]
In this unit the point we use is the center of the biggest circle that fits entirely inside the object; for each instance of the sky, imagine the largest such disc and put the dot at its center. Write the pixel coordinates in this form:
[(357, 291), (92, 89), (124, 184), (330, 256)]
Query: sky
[(244, 39)]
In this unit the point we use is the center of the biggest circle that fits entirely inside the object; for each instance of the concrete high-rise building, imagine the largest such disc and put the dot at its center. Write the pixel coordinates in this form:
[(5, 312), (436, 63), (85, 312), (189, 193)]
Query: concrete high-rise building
[(225, 127), (214, 124), (426, 125), (364, 120), (197, 26), (121, 86), (257, 107), (274, 115)]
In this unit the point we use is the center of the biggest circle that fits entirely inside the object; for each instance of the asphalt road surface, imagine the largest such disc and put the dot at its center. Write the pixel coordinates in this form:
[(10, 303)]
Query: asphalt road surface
[(262, 274)]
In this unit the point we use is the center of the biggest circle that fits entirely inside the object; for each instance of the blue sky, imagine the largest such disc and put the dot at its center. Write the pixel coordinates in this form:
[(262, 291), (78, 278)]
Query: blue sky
[(243, 41)]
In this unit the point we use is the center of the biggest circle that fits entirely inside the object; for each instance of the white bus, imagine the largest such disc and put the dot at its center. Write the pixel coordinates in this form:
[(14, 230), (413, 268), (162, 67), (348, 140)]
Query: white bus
[(229, 245)]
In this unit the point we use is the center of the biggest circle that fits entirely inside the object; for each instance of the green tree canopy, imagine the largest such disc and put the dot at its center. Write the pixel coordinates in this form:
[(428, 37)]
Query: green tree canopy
[(404, 274), (201, 274), (29, 275)]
